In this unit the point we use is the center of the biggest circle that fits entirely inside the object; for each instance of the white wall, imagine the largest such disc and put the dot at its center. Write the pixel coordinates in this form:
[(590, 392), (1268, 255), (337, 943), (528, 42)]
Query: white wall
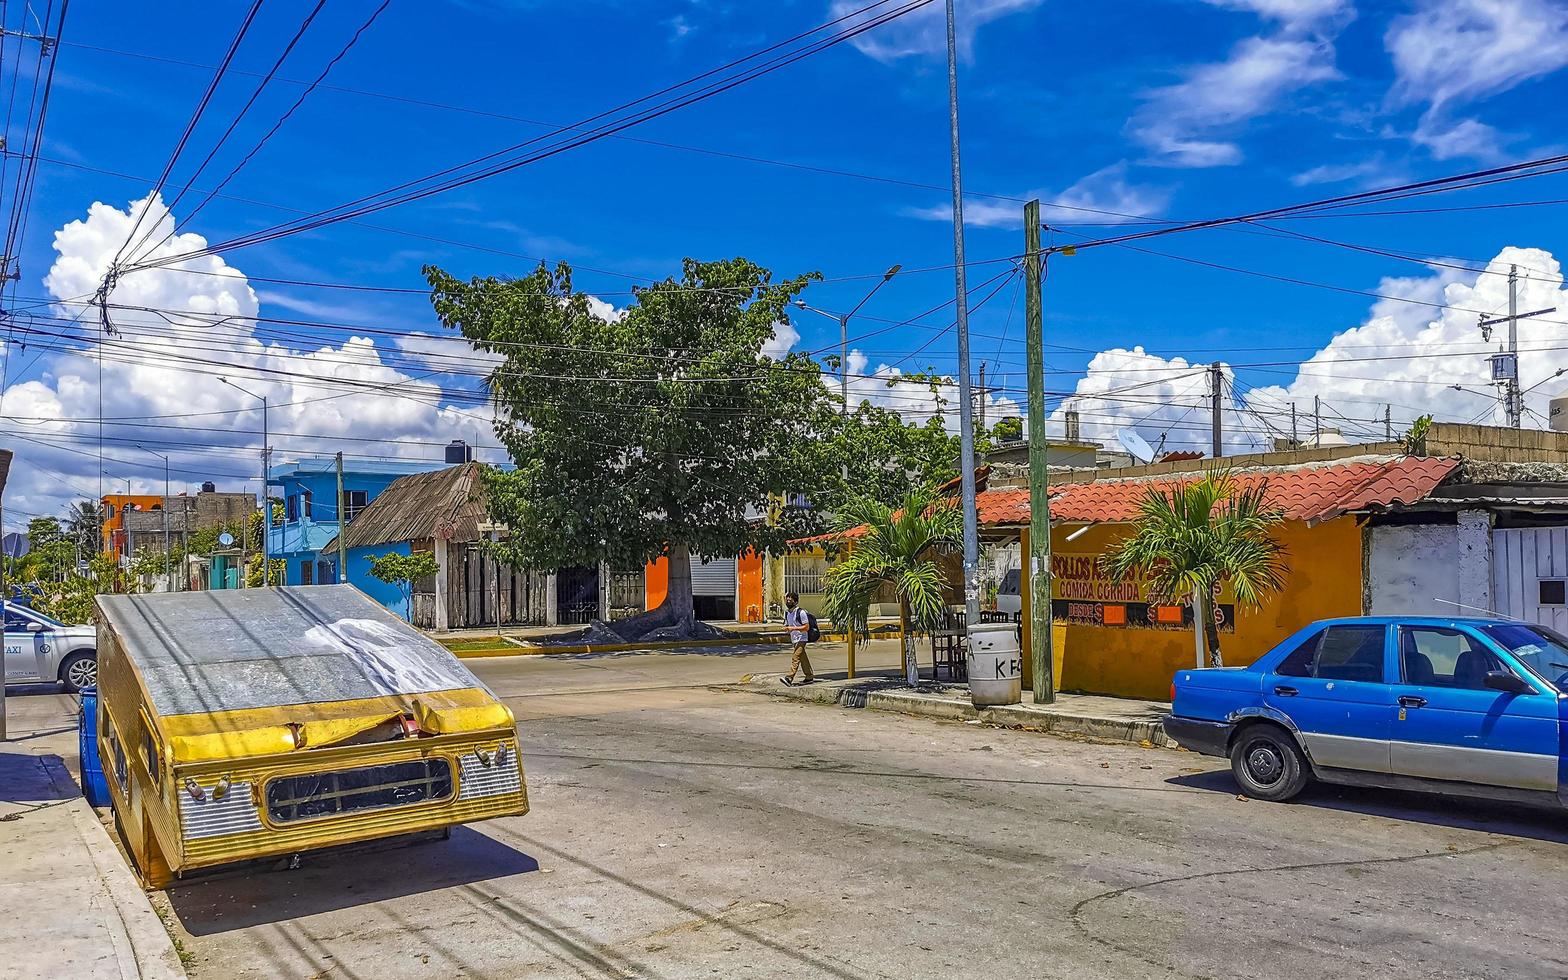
[(1409, 566), (1524, 557)]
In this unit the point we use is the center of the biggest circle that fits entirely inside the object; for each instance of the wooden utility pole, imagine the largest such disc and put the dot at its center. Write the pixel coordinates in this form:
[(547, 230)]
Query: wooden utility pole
[(342, 527), (1041, 658)]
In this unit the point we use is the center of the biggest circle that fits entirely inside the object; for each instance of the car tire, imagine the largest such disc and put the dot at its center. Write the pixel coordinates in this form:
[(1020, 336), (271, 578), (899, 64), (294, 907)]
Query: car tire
[(79, 670), (1268, 763)]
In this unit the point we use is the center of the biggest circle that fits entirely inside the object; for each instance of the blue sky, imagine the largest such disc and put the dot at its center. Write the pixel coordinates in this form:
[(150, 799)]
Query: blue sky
[(1161, 108)]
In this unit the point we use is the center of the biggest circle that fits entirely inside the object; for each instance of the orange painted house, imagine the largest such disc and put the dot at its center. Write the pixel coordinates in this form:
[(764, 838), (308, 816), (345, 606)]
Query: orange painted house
[(721, 589), (112, 533)]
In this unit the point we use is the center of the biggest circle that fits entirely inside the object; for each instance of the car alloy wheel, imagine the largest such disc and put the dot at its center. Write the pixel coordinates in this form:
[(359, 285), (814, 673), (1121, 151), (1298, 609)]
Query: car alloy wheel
[(82, 672)]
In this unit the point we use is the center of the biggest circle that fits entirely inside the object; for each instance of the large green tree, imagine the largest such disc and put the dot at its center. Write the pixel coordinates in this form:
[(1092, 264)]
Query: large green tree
[(659, 430)]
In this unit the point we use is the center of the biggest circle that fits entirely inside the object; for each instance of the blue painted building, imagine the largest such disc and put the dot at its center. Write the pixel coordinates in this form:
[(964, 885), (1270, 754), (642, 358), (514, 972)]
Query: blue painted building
[(308, 487)]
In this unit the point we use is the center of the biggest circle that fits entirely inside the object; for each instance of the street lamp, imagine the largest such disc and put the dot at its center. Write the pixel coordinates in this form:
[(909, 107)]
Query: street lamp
[(165, 508), (843, 330), (266, 480)]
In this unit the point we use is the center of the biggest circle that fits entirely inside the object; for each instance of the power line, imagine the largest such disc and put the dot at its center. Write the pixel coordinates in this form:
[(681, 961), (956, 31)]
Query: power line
[(456, 176)]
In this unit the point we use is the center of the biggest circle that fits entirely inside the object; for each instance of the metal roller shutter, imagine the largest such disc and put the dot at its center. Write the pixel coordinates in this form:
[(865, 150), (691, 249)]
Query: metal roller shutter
[(715, 578)]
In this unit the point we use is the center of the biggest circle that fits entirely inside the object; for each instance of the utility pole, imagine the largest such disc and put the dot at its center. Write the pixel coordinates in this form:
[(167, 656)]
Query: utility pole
[(1295, 440), (1388, 423), (980, 394), (167, 578), (1042, 660), (961, 309), (1317, 422), (1505, 366), (266, 482), (1216, 418), (342, 527)]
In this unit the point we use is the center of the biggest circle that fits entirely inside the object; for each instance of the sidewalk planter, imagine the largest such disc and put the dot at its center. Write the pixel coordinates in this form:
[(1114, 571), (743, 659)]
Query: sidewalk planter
[(995, 665), (262, 722)]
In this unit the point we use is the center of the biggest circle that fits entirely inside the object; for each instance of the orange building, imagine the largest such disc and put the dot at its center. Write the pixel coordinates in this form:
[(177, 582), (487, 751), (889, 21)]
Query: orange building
[(722, 589), (112, 534)]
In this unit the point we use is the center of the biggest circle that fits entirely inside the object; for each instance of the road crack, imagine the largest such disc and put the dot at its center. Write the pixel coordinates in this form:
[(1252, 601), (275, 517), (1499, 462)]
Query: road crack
[(1076, 913)]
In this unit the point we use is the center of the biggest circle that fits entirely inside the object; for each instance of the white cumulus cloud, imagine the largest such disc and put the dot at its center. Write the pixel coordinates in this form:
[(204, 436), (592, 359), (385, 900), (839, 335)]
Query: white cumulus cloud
[(1192, 123), (1418, 352), (923, 32), (177, 330)]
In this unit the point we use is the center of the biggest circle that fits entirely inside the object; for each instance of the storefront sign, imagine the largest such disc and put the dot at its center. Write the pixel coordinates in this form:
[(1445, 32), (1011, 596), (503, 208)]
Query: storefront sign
[(1083, 592)]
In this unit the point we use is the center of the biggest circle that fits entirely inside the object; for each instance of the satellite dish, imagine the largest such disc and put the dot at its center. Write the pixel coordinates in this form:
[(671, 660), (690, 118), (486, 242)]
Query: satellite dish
[(1136, 445), (226, 539)]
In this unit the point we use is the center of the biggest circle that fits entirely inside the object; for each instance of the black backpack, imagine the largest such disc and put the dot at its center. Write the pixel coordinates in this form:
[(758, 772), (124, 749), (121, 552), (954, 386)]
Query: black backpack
[(813, 634)]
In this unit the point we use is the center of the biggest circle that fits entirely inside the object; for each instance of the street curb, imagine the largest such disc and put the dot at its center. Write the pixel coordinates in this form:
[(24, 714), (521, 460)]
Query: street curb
[(136, 932), (953, 709), (523, 649)]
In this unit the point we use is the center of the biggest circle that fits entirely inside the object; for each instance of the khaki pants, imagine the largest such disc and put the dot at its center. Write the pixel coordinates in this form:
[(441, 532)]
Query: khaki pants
[(798, 660)]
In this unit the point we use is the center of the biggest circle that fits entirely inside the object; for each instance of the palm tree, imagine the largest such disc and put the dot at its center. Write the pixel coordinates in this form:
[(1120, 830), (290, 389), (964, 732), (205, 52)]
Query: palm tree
[(1191, 539), (895, 548), (83, 525)]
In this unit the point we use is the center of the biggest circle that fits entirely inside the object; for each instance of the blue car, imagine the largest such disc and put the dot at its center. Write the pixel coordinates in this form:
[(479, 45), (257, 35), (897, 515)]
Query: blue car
[(1460, 706)]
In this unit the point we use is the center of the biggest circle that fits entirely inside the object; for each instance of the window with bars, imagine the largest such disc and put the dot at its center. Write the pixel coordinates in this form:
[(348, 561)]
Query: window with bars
[(291, 798), (354, 501), (803, 574)]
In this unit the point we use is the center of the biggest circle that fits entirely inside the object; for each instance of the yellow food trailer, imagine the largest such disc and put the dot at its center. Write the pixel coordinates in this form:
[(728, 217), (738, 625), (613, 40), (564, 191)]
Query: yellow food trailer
[(248, 723)]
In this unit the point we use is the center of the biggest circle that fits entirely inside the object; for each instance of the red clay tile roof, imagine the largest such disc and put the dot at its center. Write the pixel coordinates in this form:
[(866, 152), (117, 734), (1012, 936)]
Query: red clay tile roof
[(1306, 493)]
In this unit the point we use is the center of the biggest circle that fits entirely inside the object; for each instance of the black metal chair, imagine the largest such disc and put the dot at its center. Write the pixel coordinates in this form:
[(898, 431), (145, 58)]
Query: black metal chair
[(948, 648)]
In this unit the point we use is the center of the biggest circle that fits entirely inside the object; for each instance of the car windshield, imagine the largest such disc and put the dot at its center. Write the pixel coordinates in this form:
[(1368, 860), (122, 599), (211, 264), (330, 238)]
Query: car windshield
[(1544, 651)]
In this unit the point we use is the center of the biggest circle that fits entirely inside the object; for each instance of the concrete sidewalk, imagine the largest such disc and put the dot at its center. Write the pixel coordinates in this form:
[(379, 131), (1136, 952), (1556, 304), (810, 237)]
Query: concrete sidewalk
[(1089, 715), (70, 904)]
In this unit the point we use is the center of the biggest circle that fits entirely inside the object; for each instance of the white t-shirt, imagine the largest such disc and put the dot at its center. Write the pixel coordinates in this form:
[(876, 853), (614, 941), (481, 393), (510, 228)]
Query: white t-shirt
[(799, 624)]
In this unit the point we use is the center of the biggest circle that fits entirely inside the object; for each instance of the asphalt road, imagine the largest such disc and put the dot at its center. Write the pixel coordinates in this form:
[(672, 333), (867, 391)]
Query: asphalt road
[(682, 832)]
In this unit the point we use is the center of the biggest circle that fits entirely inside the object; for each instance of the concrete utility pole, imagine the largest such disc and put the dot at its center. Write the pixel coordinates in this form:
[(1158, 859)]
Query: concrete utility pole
[(980, 394), (1317, 422), (1295, 440), (1388, 423), (1042, 660), (1216, 418), (165, 509), (1505, 366), (966, 432), (342, 527), (266, 483)]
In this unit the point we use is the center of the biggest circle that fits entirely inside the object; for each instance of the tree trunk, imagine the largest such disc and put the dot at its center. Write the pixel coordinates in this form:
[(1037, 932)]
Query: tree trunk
[(1211, 629), (911, 661), (1198, 618), (675, 611)]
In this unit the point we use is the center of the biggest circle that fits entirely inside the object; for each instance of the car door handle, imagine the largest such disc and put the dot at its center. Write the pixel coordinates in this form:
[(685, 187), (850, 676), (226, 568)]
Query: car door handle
[(1411, 701), (1285, 692)]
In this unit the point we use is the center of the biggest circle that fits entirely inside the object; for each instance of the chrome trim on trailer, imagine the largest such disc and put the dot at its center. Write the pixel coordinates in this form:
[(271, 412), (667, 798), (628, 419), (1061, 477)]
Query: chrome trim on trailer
[(235, 813)]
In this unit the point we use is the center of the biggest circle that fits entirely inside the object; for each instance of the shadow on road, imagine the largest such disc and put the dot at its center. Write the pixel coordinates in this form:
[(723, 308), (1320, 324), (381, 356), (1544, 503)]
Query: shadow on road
[(1486, 816), (341, 878), (28, 778)]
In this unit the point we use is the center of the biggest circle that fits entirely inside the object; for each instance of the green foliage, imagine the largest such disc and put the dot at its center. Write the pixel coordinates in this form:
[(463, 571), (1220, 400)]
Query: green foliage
[(663, 428), (42, 531), (253, 563), (71, 600), (1195, 537), (897, 551), (84, 525), (886, 456), (1415, 439), (1008, 430), (404, 570)]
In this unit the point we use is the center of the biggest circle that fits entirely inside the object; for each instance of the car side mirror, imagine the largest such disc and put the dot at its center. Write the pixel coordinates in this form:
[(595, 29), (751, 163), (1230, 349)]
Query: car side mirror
[(34, 626), (1502, 680)]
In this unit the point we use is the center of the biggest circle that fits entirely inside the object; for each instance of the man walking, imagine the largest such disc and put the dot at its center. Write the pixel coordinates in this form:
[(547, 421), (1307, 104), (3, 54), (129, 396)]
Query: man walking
[(799, 625)]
